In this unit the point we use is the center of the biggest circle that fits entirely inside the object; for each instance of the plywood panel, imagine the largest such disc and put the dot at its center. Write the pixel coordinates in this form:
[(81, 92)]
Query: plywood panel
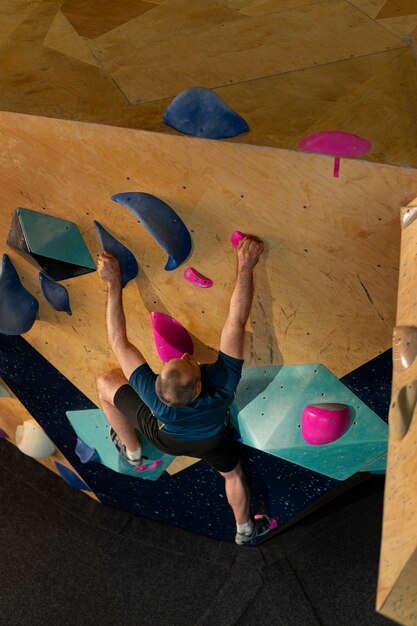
[(281, 109), (325, 288), (36, 79), (397, 16), (263, 7), (48, 69), (370, 7), (400, 26), (13, 14), (12, 414), (92, 18), (397, 8), (397, 585), (166, 23), (217, 57), (382, 110), (63, 38), (400, 604)]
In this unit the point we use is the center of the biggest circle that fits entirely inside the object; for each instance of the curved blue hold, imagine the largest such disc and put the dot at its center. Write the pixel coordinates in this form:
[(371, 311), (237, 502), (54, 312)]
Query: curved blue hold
[(162, 222), (70, 478), (128, 264), (18, 308), (3, 434), (202, 113), (55, 294), (85, 453)]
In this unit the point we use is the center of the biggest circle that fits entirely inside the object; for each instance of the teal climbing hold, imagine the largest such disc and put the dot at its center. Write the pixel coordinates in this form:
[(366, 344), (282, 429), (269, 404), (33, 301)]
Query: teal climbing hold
[(85, 453), (163, 223), (71, 478), (128, 264), (377, 466), (267, 413), (18, 308), (202, 113), (55, 294), (92, 427), (54, 243)]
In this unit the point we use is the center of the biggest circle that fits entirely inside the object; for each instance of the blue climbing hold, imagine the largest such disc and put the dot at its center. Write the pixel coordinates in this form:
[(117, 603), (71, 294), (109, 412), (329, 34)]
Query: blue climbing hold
[(55, 294), (85, 453), (202, 113), (18, 308), (3, 434), (128, 264), (71, 478), (162, 222)]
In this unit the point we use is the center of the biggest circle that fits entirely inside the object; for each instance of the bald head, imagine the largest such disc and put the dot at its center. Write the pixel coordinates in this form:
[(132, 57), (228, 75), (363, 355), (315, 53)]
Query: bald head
[(179, 382)]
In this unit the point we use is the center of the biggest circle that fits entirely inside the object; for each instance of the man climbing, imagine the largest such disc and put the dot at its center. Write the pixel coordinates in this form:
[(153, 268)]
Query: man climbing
[(183, 411)]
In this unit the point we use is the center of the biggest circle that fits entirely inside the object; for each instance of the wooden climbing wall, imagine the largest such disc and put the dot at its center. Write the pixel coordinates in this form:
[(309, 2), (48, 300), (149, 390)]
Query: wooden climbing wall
[(397, 585), (325, 290), (14, 414), (288, 66)]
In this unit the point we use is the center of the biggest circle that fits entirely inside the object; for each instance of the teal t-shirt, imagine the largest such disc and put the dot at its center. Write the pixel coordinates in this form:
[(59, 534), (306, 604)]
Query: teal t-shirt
[(208, 414)]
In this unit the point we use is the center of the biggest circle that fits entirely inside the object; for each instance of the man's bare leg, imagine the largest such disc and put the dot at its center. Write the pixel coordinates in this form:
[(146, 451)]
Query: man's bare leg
[(237, 493), (238, 496), (107, 385)]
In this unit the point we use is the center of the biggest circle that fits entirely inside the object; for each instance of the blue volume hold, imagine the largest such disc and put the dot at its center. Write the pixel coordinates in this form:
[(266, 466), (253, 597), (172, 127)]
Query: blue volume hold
[(18, 308), (55, 294), (128, 264), (85, 453), (71, 478), (201, 113), (162, 222)]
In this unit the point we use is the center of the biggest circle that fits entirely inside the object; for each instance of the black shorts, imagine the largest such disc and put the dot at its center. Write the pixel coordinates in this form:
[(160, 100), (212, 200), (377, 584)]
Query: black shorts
[(222, 452)]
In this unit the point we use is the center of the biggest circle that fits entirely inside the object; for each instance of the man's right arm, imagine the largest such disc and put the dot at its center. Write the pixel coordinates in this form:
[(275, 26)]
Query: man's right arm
[(233, 333), (129, 357)]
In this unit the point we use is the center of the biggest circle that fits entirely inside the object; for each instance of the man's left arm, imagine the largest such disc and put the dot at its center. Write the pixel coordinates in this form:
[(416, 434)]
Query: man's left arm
[(128, 356)]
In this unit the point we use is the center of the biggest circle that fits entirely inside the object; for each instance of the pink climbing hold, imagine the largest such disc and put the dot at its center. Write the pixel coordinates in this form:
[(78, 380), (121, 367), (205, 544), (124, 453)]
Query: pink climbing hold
[(197, 279), (336, 143), (272, 521), (336, 168), (147, 468), (172, 340), (236, 237), (324, 423)]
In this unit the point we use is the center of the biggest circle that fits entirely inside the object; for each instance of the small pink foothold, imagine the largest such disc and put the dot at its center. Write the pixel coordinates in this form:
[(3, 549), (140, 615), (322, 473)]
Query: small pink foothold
[(197, 279), (272, 521), (236, 237), (148, 468)]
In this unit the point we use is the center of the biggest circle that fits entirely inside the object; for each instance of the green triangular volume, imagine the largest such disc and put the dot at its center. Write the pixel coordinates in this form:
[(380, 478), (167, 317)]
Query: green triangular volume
[(54, 238)]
